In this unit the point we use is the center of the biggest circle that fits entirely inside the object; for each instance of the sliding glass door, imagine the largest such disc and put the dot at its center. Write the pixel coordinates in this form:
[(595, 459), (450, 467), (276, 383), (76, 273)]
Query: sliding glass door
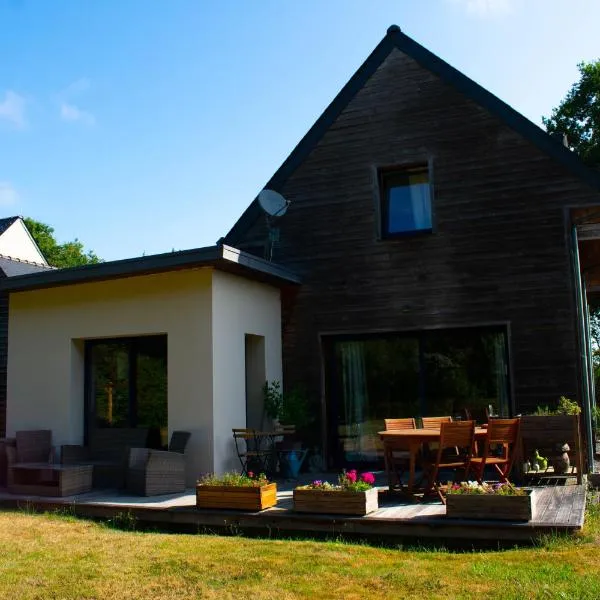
[(126, 385), (444, 372)]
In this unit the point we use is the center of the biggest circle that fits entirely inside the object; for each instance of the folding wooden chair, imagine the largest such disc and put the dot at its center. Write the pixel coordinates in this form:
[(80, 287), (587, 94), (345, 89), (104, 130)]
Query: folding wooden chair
[(430, 449), (248, 447), (503, 433), (396, 454), (459, 435), (435, 422)]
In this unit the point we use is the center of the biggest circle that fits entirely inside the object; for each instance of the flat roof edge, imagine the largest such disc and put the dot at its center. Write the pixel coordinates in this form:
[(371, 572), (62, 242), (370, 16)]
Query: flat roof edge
[(220, 257)]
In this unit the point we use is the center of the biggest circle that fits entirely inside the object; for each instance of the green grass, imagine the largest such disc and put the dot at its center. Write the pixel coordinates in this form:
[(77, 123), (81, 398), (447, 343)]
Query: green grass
[(58, 556)]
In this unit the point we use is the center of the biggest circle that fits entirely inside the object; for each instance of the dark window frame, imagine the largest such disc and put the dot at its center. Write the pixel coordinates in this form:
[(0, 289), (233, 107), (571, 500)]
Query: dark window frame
[(331, 400), (385, 176), (132, 343)]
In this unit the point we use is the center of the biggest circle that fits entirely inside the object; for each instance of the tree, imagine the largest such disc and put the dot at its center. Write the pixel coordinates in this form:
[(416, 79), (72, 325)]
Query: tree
[(69, 254), (578, 115)]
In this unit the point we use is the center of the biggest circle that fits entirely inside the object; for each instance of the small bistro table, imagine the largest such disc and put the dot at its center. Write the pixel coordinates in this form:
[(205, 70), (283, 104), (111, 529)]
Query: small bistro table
[(412, 440)]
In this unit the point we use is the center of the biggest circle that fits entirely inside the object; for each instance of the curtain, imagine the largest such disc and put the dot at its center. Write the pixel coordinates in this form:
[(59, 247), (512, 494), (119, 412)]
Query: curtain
[(420, 200), (501, 373), (355, 396)]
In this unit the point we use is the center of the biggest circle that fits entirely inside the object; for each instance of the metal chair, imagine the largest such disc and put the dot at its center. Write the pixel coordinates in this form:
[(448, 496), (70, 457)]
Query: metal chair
[(503, 433), (395, 453), (248, 446), (459, 435)]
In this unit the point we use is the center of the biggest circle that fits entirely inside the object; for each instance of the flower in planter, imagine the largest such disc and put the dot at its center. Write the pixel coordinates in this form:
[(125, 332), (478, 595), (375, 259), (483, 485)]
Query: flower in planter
[(234, 479), (492, 489), (348, 481)]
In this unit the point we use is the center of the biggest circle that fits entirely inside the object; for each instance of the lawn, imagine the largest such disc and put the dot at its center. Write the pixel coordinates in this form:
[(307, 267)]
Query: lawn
[(53, 556)]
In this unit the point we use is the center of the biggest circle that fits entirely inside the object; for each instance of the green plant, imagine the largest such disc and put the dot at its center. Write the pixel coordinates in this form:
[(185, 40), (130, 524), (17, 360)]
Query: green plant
[(272, 399), (473, 488), (234, 479), (291, 408), (565, 406), (295, 409)]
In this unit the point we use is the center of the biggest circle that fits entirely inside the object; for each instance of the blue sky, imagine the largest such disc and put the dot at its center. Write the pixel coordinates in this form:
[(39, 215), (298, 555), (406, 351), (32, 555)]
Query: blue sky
[(141, 126)]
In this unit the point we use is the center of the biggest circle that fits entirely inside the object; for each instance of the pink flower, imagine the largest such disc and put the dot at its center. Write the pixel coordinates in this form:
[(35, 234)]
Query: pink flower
[(351, 476), (251, 474), (368, 478)]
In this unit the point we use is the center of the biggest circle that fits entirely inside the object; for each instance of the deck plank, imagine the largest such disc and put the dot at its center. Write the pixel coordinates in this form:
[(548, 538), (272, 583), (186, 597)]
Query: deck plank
[(559, 508)]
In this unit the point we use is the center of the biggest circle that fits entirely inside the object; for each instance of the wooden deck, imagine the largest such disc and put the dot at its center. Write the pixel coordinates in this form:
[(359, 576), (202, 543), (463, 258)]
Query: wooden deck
[(560, 509)]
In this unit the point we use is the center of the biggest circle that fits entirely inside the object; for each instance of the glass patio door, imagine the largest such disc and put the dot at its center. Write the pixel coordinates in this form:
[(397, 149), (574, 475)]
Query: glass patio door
[(427, 373)]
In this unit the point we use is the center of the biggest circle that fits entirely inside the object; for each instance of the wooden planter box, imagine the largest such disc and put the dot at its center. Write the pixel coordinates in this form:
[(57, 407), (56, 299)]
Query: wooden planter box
[(233, 497), (490, 507), (335, 502)]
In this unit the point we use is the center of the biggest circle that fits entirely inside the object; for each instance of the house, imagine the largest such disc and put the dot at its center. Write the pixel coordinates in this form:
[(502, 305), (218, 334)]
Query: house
[(428, 263), (19, 255), (435, 230)]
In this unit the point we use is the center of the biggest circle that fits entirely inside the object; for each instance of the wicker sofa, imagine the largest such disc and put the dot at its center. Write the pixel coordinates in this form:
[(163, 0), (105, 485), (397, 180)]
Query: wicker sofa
[(107, 452)]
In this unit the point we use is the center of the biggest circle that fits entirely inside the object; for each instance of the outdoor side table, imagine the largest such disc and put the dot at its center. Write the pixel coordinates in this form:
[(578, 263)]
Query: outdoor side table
[(42, 479)]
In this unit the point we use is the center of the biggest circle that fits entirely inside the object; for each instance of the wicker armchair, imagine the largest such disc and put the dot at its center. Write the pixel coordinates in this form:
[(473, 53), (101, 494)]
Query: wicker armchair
[(153, 472), (34, 446)]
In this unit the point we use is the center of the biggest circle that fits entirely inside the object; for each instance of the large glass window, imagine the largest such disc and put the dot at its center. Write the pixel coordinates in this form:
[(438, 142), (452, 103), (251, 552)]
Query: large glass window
[(127, 384), (431, 373)]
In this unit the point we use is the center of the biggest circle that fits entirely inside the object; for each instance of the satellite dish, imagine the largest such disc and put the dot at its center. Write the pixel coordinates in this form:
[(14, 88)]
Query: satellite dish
[(273, 203)]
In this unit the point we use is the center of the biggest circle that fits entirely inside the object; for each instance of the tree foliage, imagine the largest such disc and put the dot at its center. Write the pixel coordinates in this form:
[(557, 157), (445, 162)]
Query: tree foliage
[(68, 254), (578, 115)]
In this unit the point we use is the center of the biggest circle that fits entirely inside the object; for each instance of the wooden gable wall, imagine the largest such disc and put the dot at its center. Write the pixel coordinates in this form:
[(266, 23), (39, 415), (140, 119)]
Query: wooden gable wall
[(499, 252)]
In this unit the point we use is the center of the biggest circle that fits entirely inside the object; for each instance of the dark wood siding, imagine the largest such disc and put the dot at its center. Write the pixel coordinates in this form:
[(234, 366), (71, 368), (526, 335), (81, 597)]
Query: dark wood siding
[(499, 252)]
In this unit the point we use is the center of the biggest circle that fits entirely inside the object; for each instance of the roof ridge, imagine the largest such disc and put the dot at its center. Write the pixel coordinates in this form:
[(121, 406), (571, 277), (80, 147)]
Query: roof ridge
[(26, 261), (395, 38)]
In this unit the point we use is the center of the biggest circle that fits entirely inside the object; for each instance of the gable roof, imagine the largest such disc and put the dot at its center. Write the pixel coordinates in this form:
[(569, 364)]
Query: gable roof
[(13, 267), (6, 223), (396, 39)]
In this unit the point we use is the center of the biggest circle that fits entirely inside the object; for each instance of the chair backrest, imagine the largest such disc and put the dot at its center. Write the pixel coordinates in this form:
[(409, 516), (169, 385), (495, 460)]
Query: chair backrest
[(457, 434), (399, 424), (503, 431), (435, 422), (34, 446), (179, 440), (113, 443), (477, 414), (244, 438)]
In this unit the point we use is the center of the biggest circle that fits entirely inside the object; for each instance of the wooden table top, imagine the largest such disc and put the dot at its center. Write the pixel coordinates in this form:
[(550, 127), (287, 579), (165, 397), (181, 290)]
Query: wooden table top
[(422, 434)]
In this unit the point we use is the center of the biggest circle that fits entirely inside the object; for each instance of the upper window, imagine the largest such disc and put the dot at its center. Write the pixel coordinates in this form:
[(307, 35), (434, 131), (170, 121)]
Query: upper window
[(405, 200)]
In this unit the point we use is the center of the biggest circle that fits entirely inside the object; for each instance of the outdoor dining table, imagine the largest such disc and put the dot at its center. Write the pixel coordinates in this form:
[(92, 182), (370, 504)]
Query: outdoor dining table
[(412, 440)]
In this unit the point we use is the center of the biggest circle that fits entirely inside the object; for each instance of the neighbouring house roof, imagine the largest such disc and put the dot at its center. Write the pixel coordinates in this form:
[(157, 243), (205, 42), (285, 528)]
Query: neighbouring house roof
[(222, 257), (13, 267), (6, 223), (396, 39)]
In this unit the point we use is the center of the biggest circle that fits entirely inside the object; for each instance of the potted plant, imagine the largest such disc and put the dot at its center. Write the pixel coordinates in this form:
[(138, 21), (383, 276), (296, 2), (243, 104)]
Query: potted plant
[(290, 412), (354, 494), (234, 491), (503, 501)]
